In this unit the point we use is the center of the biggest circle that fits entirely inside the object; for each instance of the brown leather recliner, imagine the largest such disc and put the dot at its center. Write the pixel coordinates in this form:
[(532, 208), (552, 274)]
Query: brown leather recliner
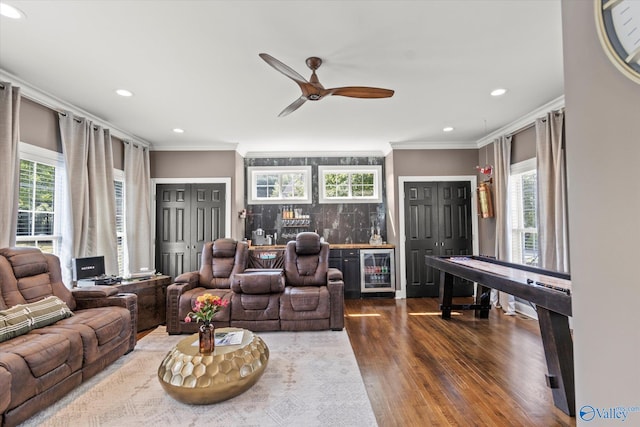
[(255, 303), (313, 298), (221, 260)]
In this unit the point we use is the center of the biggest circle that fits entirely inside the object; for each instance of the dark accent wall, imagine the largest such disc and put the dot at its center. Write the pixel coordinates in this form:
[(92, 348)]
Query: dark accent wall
[(338, 223)]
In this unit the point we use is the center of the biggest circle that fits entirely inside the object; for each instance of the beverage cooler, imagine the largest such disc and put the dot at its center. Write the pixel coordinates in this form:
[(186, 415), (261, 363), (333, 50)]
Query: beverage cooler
[(377, 270)]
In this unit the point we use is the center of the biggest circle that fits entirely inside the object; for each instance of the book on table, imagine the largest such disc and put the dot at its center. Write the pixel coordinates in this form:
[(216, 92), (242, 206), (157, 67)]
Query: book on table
[(228, 338)]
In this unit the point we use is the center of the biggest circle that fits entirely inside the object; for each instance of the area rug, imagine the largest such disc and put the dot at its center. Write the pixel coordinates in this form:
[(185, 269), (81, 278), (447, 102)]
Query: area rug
[(312, 379)]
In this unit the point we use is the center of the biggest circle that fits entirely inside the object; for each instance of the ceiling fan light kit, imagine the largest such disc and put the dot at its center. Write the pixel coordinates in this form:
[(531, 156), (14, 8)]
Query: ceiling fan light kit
[(312, 89)]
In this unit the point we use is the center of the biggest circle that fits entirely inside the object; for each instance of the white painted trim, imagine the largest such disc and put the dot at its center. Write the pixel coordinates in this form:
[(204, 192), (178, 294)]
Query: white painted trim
[(523, 166), (227, 209), (252, 171), (376, 170), (50, 101), (210, 146), (522, 122), (472, 179), (288, 154), (434, 145), (526, 310), (40, 155)]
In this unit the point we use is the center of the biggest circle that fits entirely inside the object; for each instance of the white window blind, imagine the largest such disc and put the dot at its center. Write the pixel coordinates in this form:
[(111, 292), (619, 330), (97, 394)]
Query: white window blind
[(120, 224), (39, 190), (524, 215)]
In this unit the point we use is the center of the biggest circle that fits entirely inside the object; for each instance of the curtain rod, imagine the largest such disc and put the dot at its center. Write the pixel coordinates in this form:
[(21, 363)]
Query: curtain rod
[(533, 123), (52, 102), (134, 144)]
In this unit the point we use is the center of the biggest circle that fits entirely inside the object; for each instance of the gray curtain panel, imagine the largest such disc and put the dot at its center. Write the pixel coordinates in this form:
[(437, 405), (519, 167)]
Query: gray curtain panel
[(502, 171), (9, 162), (137, 184), (553, 228), (88, 154)]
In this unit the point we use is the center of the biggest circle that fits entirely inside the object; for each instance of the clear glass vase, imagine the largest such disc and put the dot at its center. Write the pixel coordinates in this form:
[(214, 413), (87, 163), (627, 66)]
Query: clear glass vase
[(206, 338)]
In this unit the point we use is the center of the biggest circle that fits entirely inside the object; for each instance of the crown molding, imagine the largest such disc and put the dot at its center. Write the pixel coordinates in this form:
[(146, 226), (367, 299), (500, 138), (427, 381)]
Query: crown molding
[(48, 100), (286, 154), (433, 145), (522, 122), (210, 146)]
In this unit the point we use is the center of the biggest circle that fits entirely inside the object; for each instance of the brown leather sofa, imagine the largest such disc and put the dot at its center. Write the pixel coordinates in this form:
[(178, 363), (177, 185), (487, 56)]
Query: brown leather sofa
[(305, 295), (46, 352)]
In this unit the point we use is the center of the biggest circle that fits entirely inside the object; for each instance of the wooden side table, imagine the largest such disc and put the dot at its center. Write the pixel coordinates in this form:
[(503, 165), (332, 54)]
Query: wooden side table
[(152, 297), (190, 377)]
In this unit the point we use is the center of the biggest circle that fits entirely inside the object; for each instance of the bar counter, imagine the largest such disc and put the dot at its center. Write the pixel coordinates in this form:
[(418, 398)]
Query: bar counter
[(331, 245)]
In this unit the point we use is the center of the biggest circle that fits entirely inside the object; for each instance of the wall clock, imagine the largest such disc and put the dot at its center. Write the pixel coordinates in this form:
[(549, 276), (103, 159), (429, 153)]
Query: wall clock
[(618, 25)]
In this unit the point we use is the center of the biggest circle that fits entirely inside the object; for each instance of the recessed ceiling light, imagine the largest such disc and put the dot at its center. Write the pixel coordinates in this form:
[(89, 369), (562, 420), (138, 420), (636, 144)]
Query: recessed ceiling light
[(178, 130), (498, 92), (124, 92), (10, 11), (447, 129)]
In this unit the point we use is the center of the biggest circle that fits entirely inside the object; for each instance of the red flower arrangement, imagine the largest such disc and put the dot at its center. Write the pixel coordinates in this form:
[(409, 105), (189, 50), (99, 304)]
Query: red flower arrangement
[(205, 308)]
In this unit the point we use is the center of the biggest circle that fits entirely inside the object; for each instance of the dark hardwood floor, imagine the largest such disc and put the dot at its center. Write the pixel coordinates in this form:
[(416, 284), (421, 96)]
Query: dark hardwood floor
[(421, 370)]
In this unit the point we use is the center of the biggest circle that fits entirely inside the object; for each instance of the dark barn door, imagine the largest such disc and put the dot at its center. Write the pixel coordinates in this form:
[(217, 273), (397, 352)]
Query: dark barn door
[(187, 216), (438, 222)]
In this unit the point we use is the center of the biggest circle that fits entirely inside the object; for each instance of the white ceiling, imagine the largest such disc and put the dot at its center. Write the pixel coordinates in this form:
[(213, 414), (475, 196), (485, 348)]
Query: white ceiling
[(195, 65)]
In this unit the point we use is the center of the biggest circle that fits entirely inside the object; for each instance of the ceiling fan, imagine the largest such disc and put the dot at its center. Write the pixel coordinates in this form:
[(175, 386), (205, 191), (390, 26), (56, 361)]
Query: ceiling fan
[(312, 90)]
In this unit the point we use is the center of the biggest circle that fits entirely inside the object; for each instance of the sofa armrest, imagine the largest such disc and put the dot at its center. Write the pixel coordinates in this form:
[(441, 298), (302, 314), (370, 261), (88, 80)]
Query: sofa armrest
[(128, 301), (5, 386), (191, 277), (182, 284), (336, 294), (94, 292), (334, 274)]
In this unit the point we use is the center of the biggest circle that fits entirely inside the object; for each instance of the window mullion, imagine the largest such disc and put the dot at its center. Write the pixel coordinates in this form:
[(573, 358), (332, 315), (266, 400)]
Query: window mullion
[(32, 206)]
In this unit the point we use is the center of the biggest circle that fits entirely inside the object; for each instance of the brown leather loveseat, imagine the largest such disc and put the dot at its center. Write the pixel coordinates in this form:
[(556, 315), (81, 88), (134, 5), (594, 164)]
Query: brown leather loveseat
[(305, 295), (52, 339)]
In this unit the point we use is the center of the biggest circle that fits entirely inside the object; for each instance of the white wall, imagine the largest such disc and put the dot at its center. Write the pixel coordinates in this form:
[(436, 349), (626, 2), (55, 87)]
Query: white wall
[(603, 160)]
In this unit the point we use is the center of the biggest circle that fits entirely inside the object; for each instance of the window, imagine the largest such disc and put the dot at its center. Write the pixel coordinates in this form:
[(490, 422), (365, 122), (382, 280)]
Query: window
[(120, 219), (40, 194), (524, 216), (279, 184), (355, 184)]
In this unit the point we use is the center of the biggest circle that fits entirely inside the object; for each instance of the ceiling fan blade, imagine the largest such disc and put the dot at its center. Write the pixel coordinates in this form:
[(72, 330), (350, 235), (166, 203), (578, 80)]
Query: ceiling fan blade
[(361, 92), (293, 106), (283, 68)]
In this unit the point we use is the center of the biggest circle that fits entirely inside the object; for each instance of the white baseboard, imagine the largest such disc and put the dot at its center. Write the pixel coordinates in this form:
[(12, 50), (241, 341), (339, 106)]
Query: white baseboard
[(524, 308)]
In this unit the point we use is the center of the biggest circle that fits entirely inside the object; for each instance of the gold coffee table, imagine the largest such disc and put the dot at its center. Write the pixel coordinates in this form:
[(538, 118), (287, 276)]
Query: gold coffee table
[(230, 370)]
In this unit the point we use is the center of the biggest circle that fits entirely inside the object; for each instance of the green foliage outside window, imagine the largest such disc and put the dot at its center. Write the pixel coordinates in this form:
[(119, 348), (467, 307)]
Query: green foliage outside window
[(349, 185)]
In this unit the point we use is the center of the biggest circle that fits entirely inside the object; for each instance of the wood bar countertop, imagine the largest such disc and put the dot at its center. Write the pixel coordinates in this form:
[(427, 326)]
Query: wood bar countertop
[(331, 245)]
